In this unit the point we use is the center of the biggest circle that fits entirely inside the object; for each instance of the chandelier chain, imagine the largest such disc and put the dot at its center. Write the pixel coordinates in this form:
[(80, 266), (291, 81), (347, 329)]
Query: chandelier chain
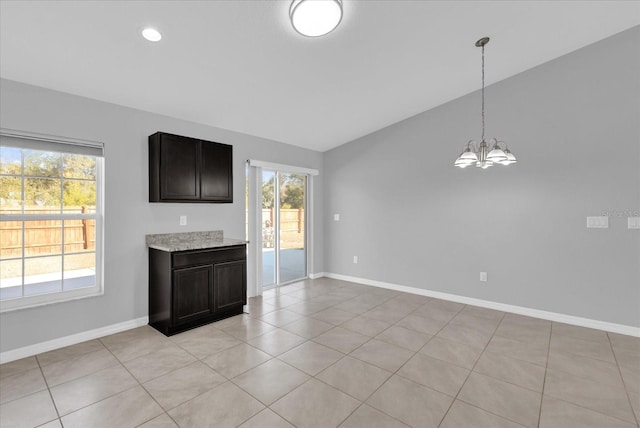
[(482, 92)]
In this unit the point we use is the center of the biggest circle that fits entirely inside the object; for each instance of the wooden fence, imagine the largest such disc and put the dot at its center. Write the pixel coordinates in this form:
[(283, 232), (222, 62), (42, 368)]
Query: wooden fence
[(291, 220), (44, 237), (291, 228)]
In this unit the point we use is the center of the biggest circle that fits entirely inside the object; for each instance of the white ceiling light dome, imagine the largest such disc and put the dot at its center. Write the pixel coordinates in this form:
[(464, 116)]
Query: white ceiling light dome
[(151, 34), (315, 18)]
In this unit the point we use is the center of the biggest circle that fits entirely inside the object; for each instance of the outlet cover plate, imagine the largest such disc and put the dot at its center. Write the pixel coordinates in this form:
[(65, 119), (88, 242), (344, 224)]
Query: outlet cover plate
[(599, 222)]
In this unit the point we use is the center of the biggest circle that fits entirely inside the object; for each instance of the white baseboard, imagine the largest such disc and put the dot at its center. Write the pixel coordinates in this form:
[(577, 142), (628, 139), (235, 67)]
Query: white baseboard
[(521, 310), (61, 342), (317, 275)]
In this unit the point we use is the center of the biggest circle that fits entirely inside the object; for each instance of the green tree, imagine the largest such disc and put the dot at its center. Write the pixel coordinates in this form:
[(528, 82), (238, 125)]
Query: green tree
[(292, 190), (267, 193), (10, 184), (43, 173), (79, 166), (79, 193)]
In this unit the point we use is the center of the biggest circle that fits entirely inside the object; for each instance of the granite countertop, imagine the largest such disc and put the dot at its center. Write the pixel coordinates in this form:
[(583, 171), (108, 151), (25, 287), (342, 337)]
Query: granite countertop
[(190, 241)]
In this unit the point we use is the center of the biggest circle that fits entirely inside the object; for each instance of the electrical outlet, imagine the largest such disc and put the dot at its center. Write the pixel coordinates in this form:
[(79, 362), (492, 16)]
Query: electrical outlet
[(336, 217), (483, 277), (633, 222), (355, 260), (183, 220)]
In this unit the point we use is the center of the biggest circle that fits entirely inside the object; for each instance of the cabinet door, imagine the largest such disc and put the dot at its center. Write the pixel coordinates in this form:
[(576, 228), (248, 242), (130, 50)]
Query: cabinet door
[(192, 293), (216, 177), (230, 284), (179, 168)]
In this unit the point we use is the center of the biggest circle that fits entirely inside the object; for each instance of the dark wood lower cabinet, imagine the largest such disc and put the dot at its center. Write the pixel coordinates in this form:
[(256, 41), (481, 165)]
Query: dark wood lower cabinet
[(191, 288), (192, 293), (226, 276)]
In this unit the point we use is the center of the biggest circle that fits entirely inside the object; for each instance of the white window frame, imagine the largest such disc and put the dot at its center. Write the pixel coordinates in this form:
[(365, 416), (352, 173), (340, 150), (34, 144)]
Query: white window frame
[(28, 140)]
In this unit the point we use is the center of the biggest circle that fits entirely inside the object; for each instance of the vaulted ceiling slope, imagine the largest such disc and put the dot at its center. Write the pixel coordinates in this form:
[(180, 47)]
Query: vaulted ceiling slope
[(240, 65)]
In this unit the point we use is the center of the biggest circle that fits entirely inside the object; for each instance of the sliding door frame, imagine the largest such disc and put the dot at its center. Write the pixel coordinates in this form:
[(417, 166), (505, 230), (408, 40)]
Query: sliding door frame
[(254, 230)]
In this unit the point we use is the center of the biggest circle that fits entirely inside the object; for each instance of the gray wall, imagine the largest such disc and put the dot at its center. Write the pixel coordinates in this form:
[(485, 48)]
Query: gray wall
[(413, 219), (128, 215)]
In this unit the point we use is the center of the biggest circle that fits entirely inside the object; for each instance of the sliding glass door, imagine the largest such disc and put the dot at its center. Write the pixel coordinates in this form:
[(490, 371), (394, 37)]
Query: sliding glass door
[(284, 252)]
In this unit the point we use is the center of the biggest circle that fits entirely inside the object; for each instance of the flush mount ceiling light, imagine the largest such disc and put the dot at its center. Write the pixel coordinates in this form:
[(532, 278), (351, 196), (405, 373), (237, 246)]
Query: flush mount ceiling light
[(315, 18), (480, 154), (151, 34)]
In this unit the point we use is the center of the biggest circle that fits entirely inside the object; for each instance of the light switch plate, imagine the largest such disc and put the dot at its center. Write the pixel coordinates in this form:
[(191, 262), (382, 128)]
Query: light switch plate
[(633, 222), (600, 222), (483, 277), (336, 217)]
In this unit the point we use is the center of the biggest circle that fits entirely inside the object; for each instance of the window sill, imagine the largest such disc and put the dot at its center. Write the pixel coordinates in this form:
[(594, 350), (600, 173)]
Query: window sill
[(49, 299)]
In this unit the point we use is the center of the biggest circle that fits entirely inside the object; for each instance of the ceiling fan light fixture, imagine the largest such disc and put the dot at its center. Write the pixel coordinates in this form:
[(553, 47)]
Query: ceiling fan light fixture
[(314, 18)]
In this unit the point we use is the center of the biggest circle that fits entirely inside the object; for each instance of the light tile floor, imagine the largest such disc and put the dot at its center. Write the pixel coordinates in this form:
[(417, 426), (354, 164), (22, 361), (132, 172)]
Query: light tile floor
[(326, 353)]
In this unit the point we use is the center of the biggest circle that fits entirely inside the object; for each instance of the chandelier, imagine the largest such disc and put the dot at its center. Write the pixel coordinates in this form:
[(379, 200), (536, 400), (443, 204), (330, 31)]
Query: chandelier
[(485, 154)]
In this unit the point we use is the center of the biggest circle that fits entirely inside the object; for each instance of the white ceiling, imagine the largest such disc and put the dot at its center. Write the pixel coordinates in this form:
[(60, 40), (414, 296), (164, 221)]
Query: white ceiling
[(240, 65)]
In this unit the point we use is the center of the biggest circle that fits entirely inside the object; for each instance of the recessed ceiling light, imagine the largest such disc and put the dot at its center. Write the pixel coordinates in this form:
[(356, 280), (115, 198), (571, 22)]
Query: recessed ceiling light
[(315, 18), (151, 34)]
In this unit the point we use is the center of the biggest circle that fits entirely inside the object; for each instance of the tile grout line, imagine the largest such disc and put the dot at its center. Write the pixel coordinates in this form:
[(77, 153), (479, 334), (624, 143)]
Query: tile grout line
[(272, 357), (626, 389), (344, 355), (137, 381), (399, 368), (364, 402), (471, 371), (46, 382), (544, 379), (200, 360), (276, 357), (82, 377), (505, 381), (588, 379), (78, 378), (494, 334), (498, 379)]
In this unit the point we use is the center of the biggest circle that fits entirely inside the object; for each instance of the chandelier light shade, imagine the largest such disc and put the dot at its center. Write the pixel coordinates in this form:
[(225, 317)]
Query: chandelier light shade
[(315, 18), (484, 155)]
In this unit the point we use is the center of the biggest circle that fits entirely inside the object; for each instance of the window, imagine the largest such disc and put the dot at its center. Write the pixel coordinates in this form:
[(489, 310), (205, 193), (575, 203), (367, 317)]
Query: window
[(50, 219)]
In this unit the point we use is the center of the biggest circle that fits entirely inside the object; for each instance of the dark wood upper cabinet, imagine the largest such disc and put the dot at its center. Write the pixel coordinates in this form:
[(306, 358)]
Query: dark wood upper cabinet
[(179, 168), (183, 169), (216, 176)]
